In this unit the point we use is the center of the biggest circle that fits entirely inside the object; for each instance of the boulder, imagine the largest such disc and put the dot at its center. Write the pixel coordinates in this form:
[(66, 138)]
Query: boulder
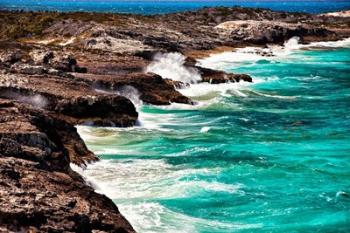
[(152, 88), (216, 77)]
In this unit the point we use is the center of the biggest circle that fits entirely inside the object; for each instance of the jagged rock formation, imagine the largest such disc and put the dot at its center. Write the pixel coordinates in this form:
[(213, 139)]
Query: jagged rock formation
[(38, 190), (265, 31), (152, 88)]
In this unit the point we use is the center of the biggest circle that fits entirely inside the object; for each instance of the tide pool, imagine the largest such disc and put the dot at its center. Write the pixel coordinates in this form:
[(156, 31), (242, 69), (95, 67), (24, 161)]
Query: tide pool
[(272, 156)]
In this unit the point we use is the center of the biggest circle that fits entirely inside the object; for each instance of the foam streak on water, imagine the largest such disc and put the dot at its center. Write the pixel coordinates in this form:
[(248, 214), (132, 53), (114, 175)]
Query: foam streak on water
[(271, 156)]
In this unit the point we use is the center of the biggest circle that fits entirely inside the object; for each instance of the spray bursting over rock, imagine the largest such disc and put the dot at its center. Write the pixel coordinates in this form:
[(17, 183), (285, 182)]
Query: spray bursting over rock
[(35, 100), (171, 66), (131, 93)]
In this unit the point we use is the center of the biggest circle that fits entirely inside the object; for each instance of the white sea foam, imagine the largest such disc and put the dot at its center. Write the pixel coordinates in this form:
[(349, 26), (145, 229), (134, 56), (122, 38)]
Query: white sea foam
[(208, 95), (159, 122), (208, 91), (130, 182), (294, 44), (171, 66), (205, 129), (146, 179), (329, 44), (274, 96), (153, 217), (253, 54)]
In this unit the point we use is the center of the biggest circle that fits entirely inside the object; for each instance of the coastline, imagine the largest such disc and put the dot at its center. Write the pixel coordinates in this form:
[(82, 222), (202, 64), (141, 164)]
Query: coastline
[(85, 74), (116, 161)]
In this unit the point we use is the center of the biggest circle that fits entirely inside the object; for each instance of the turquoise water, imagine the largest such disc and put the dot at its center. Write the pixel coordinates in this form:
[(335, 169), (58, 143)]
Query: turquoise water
[(273, 156), (168, 6)]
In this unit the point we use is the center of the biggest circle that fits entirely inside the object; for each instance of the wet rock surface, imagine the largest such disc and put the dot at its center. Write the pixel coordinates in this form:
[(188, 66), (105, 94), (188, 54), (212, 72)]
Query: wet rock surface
[(62, 69)]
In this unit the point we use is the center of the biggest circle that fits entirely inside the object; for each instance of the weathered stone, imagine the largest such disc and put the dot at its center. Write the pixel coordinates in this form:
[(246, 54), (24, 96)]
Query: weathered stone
[(152, 88), (38, 189)]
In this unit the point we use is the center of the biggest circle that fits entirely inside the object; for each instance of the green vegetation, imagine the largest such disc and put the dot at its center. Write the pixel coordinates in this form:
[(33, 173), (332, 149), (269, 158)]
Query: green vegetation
[(15, 25)]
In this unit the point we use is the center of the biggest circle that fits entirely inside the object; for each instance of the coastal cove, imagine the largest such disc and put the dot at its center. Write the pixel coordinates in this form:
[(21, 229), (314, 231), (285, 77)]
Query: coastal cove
[(139, 123), (266, 156)]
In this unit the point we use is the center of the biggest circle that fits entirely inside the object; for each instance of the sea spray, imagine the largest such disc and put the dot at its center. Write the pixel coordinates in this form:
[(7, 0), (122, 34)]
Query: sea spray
[(35, 100), (126, 91), (171, 66), (131, 93), (292, 43)]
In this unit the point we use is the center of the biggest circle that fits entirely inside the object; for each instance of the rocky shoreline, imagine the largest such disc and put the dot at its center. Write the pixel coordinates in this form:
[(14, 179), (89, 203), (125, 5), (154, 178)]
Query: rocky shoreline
[(58, 70)]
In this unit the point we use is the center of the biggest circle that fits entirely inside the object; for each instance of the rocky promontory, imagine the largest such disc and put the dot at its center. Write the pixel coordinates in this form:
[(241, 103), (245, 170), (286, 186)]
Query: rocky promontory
[(58, 70)]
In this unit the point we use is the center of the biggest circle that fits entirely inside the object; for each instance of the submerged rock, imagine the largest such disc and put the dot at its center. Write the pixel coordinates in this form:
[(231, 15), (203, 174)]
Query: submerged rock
[(216, 77)]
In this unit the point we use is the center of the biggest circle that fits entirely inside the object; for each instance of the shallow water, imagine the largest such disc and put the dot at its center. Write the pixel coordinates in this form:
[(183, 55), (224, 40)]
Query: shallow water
[(272, 156), (148, 7)]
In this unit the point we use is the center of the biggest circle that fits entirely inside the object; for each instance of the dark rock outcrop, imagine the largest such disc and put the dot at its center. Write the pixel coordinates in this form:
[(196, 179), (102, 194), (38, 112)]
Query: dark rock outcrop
[(77, 101), (38, 190), (65, 83), (152, 88), (216, 77), (263, 32)]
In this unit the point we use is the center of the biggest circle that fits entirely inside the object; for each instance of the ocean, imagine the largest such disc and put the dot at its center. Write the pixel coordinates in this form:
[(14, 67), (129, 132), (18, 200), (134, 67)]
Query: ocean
[(270, 156), (148, 7)]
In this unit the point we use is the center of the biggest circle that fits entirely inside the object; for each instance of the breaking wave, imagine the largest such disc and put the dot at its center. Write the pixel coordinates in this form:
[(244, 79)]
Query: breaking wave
[(171, 66)]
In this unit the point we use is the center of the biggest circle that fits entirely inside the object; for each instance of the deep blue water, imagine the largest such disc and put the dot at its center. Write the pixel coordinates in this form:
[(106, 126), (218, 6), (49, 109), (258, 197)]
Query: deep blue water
[(160, 7), (272, 156)]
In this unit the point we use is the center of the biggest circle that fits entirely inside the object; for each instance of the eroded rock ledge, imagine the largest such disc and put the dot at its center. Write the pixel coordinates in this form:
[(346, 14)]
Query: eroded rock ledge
[(38, 190), (62, 69)]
